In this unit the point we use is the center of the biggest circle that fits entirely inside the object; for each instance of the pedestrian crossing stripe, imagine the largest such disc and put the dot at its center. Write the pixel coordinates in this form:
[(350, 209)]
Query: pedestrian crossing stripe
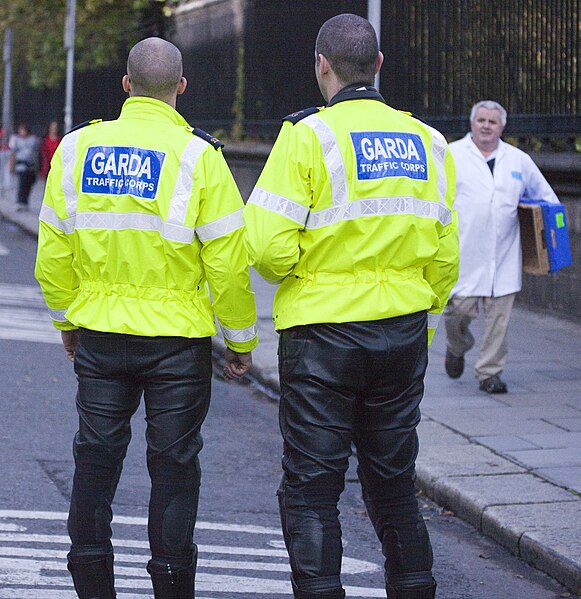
[(24, 315), (33, 560)]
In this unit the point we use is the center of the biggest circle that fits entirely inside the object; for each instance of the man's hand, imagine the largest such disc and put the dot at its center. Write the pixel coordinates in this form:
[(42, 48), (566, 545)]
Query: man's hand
[(70, 342), (236, 365)]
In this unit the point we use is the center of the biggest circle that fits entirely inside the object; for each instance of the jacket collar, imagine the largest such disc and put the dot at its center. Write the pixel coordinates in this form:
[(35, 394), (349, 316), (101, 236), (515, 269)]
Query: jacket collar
[(150, 109), (501, 149), (356, 91)]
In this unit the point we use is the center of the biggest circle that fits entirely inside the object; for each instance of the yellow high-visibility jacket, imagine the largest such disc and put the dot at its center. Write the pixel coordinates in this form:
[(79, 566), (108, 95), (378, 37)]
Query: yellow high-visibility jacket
[(353, 216), (140, 221)]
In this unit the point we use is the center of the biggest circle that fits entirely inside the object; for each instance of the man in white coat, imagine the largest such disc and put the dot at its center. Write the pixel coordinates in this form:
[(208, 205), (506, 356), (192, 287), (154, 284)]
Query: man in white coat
[(492, 176)]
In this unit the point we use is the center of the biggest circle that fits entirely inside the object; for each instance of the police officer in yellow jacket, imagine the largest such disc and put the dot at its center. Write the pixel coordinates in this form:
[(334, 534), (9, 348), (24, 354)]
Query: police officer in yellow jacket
[(352, 216), (141, 219)]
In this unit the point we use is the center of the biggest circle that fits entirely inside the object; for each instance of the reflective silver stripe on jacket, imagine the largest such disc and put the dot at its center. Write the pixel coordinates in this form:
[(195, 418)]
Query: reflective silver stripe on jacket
[(433, 320), (48, 215), (69, 158), (379, 207), (439, 154), (221, 226), (172, 229), (239, 335), (333, 158), (185, 181), (279, 204), (58, 315), (119, 221)]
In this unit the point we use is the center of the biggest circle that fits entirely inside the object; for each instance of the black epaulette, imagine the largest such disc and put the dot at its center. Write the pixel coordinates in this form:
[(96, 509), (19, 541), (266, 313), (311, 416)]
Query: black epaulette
[(81, 125), (213, 141), (295, 117), (418, 118)]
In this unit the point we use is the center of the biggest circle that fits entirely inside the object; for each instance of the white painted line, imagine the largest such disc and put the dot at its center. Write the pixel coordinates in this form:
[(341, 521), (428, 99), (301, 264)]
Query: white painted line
[(132, 520), (4, 251), (6, 526), (44, 567), (12, 291), (61, 594)]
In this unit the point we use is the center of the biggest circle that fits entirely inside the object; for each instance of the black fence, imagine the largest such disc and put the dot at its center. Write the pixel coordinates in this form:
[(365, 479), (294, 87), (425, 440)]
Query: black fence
[(248, 69), (440, 58)]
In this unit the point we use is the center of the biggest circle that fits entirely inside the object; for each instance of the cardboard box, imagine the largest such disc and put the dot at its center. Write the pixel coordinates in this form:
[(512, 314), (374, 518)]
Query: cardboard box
[(544, 236)]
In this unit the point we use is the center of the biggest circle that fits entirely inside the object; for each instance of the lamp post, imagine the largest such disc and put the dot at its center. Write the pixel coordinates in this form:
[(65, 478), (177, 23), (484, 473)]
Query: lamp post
[(70, 48), (6, 109), (374, 17)]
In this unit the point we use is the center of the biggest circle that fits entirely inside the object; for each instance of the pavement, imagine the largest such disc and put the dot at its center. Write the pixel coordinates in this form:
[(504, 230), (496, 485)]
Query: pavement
[(510, 465)]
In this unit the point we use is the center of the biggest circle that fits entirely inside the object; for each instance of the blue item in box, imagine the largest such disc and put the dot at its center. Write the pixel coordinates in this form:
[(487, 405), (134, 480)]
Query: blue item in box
[(556, 233)]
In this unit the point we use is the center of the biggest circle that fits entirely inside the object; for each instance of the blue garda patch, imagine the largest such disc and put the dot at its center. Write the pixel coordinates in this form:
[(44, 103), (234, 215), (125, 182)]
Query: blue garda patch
[(383, 154), (120, 170)]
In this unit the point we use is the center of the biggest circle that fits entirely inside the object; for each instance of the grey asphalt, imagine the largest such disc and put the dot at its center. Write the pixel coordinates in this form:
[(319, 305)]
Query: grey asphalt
[(508, 464)]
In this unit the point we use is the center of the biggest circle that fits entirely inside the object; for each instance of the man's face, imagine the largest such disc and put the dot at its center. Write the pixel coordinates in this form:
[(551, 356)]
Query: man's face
[(486, 127)]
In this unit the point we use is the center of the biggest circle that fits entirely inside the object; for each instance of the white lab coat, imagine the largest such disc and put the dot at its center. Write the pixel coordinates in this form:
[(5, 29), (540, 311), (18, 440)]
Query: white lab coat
[(490, 248)]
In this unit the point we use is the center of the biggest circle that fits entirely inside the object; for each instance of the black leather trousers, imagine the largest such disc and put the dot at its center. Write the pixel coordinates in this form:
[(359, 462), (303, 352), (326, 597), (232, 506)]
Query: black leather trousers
[(358, 383), (174, 375)]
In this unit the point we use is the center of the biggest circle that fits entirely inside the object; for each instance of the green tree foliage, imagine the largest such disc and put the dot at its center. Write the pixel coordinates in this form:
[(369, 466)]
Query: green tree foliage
[(105, 29)]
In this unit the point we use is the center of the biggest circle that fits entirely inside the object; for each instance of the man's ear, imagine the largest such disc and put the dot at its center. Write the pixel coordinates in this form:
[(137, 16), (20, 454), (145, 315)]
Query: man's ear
[(182, 86), (323, 65), (378, 62), (126, 84)]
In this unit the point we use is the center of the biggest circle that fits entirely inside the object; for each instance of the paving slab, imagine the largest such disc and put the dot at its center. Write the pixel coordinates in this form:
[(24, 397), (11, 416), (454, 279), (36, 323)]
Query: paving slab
[(569, 477), (556, 552), (508, 523), (436, 462), (544, 535), (503, 443), (542, 458), (436, 435), (470, 496), (477, 426), (555, 440), (567, 424)]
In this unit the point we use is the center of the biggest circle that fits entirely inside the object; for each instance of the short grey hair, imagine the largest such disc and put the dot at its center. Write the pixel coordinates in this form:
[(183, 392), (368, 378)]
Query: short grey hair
[(154, 67), (489, 105)]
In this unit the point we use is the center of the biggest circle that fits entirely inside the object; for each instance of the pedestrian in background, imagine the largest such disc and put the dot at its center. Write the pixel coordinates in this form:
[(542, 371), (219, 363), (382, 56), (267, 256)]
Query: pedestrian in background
[(24, 147), (492, 176), (48, 147), (352, 216), (141, 219)]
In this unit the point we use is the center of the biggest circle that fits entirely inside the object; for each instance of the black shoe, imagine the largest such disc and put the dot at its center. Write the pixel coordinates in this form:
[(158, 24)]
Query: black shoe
[(171, 582), (93, 579), (454, 365), (493, 384)]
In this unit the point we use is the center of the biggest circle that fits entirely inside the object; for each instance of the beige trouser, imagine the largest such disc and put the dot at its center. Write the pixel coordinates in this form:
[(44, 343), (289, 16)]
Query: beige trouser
[(458, 315)]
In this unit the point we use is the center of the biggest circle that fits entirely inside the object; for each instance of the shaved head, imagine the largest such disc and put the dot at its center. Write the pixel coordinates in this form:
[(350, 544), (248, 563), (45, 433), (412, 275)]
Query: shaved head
[(350, 45), (154, 68)]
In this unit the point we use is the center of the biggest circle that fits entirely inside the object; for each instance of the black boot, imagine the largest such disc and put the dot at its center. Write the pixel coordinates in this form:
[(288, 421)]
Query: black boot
[(300, 594), (171, 582), (424, 592), (93, 579), (339, 594)]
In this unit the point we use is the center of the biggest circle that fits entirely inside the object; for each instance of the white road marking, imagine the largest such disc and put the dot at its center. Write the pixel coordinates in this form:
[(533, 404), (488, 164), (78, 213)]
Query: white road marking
[(33, 563), (4, 251), (24, 315)]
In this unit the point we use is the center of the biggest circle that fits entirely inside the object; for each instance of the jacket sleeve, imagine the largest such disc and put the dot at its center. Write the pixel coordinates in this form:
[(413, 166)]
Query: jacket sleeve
[(536, 186), (278, 207), (442, 272), (54, 269), (220, 229)]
